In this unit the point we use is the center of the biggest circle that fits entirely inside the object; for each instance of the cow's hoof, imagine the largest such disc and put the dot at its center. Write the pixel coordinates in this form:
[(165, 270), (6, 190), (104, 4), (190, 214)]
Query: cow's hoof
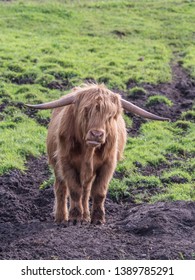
[(75, 216), (60, 218), (86, 218), (98, 217), (98, 221)]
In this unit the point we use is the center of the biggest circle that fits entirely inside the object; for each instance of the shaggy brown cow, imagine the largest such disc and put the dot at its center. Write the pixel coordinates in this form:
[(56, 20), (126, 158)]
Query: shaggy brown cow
[(86, 138)]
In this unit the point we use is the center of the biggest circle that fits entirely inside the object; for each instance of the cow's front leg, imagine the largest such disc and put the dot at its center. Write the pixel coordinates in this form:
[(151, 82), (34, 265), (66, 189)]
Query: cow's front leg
[(72, 180), (85, 202), (76, 207), (86, 178), (60, 206), (99, 191)]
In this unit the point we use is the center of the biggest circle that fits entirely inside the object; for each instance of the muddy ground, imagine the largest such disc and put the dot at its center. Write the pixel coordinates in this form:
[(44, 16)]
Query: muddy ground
[(164, 230)]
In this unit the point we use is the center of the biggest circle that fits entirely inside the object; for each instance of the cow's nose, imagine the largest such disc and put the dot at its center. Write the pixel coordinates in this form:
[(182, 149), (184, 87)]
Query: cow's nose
[(97, 133)]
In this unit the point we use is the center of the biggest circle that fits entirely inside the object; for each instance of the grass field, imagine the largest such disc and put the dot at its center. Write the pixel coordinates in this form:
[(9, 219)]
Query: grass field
[(47, 47)]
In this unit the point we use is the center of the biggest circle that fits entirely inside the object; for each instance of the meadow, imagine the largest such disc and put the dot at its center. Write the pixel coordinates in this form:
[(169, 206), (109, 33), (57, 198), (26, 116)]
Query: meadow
[(48, 47)]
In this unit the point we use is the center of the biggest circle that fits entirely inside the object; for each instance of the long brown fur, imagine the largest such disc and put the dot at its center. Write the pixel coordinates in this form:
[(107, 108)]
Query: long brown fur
[(81, 170)]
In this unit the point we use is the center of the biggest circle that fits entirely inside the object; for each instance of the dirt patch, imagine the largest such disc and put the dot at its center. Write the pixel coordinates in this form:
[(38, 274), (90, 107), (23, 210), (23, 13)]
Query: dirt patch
[(119, 34), (27, 230)]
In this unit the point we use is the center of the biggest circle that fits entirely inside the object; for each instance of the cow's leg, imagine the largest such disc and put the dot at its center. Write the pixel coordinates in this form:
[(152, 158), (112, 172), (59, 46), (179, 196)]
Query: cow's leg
[(72, 181), (86, 178), (75, 194), (74, 188), (85, 202), (60, 206), (99, 191), (76, 208)]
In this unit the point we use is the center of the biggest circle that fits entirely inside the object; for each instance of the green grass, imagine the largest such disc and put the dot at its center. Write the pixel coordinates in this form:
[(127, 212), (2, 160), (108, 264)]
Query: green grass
[(21, 137), (136, 92), (115, 42), (154, 147), (158, 99), (176, 192)]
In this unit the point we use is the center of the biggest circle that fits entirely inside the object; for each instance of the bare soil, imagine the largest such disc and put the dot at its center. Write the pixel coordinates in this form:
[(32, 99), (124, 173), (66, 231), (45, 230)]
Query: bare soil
[(164, 230)]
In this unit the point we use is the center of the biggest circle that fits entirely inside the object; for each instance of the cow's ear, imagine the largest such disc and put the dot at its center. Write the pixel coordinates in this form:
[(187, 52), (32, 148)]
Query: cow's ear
[(118, 104)]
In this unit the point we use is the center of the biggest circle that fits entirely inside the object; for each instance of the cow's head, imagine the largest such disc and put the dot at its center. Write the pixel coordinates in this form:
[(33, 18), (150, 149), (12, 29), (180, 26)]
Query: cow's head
[(96, 110)]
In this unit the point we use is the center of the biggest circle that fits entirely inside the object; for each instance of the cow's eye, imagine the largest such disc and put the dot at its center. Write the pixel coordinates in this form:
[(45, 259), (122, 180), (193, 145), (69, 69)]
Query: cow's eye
[(98, 107), (109, 118), (86, 112), (115, 116)]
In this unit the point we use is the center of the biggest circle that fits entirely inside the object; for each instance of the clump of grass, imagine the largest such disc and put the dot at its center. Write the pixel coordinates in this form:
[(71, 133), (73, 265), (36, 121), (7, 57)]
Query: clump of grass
[(136, 92), (118, 189), (46, 184), (190, 167), (4, 94), (15, 67), (176, 192), (176, 176), (176, 149), (135, 186), (158, 99), (112, 80), (8, 125), (184, 125), (45, 80), (138, 180), (23, 89), (9, 111), (189, 115), (189, 60)]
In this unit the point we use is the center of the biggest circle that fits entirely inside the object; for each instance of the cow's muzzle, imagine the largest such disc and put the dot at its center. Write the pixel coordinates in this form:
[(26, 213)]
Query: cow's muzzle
[(95, 137)]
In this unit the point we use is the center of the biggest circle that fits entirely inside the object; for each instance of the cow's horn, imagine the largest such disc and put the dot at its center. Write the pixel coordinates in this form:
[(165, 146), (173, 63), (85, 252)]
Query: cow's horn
[(128, 106), (64, 101)]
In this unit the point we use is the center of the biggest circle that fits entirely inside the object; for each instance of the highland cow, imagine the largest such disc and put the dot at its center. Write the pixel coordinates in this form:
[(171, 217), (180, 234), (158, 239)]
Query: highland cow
[(86, 138)]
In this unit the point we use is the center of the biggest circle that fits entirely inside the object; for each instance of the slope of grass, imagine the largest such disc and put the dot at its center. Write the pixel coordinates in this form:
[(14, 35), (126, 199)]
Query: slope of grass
[(46, 47), (21, 137)]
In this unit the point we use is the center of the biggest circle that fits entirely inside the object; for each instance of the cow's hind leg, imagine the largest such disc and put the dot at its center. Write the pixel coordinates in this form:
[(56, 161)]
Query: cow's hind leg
[(60, 206)]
